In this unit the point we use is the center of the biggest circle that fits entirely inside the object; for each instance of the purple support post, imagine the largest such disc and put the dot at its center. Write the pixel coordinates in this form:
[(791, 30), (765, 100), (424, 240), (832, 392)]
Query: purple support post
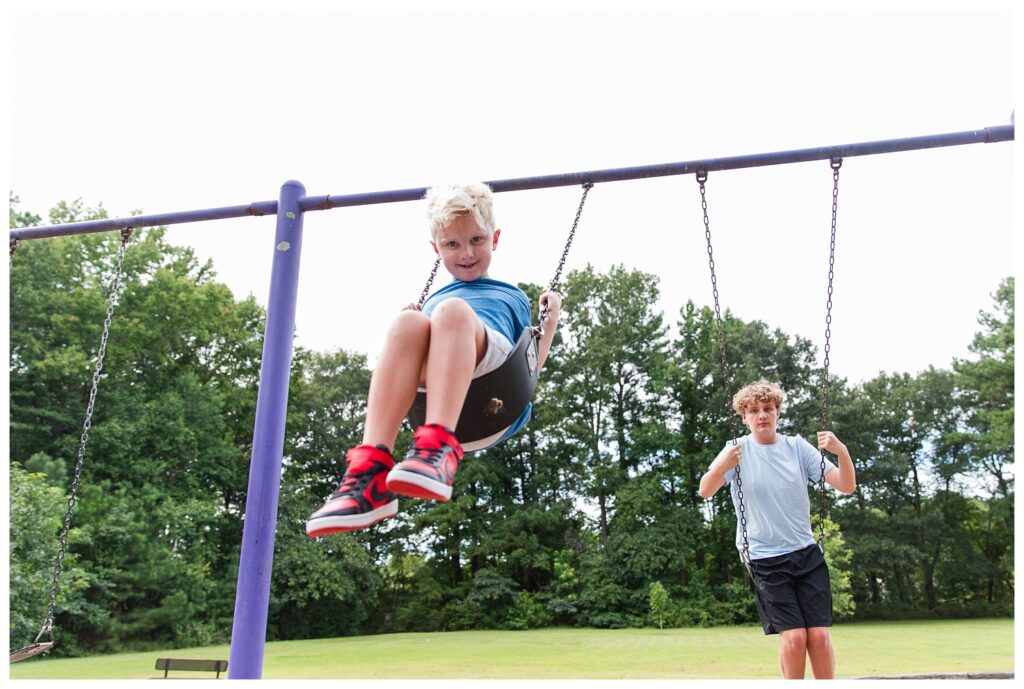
[(252, 597)]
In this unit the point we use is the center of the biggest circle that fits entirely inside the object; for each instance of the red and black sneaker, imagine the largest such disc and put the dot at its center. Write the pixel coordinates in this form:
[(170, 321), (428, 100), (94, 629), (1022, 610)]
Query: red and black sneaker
[(428, 469), (362, 498)]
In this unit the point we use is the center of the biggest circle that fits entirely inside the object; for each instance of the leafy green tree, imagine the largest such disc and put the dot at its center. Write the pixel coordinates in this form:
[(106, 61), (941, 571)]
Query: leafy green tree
[(146, 590), (916, 447), (329, 403), (660, 603), (320, 587), (55, 470), (414, 599), (987, 389), (652, 536), (57, 304), (36, 516), (608, 381), (527, 613), (837, 555), (563, 602)]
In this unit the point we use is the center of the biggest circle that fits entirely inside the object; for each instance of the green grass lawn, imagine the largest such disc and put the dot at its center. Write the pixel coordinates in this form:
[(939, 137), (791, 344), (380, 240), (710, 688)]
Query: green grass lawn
[(862, 649)]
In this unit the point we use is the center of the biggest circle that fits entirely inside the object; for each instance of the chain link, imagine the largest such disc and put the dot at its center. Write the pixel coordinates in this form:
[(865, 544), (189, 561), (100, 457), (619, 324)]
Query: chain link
[(702, 177), (111, 302), (835, 163), (430, 281), (587, 186), (14, 247), (565, 253)]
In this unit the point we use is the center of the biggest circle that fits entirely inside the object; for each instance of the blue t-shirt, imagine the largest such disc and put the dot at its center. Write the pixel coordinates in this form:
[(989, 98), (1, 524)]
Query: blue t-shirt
[(503, 307), (775, 500)]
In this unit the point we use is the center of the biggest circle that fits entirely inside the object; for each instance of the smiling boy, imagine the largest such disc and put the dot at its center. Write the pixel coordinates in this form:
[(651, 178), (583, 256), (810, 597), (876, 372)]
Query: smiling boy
[(791, 579), (464, 330)]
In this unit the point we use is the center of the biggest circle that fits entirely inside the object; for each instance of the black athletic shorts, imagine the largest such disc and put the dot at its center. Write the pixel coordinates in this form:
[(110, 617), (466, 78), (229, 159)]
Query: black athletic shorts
[(792, 590)]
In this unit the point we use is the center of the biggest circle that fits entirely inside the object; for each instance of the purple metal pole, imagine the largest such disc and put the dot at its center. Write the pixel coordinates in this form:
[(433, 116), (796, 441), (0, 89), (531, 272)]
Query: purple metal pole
[(252, 598)]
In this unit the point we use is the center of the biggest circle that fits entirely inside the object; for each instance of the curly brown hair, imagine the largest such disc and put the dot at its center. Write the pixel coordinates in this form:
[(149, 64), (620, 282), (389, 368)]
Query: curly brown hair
[(761, 391)]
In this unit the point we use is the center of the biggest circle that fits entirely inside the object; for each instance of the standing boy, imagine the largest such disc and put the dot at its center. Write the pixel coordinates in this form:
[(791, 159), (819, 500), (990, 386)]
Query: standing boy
[(464, 330), (791, 580)]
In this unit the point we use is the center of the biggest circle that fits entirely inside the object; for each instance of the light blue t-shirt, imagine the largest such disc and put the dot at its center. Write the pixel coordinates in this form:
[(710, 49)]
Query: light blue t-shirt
[(503, 307), (775, 501), (500, 305)]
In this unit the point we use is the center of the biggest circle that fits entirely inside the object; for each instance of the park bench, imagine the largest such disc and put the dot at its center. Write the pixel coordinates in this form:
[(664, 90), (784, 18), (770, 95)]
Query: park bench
[(193, 664)]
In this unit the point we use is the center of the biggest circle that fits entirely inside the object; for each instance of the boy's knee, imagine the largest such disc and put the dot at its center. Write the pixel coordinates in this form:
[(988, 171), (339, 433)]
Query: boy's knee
[(817, 636), (410, 324), (795, 638), (453, 312)]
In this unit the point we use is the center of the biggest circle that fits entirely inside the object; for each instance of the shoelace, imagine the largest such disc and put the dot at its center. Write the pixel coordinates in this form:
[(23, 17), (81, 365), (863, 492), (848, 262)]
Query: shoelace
[(433, 457), (352, 483)]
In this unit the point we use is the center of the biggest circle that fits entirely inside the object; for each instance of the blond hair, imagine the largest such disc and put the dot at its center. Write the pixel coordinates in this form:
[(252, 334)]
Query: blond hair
[(446, 201), (762, 391)]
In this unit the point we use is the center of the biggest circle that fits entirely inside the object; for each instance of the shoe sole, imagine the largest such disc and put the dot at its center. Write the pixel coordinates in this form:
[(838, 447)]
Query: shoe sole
[(332, 524), (418, 486)]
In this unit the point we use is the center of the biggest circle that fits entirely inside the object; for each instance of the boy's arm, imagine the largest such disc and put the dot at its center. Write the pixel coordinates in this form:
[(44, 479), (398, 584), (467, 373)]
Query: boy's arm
[(714, 479), (553, 302), (844, 478)]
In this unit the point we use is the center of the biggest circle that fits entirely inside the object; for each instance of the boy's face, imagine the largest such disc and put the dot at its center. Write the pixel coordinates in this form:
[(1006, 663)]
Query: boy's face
[(762, 418), (465, 249)]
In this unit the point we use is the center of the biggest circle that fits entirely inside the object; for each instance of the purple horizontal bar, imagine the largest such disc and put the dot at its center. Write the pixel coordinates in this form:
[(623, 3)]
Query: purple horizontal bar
[(987, 135), (259, 208), (320, 203)]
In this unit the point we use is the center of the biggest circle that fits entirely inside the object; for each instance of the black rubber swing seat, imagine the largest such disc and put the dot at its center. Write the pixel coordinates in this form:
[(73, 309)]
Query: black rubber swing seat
[(496, 399)]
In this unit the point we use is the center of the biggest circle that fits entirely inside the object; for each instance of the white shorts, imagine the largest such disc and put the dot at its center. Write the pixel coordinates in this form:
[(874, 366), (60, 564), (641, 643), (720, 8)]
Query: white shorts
[(498, 349)]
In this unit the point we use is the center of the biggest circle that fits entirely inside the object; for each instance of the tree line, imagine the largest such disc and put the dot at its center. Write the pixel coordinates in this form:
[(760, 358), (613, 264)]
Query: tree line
[(589, 517)]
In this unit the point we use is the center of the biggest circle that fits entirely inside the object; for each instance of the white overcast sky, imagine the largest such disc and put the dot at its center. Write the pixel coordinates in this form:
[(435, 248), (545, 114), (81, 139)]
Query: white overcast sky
[(175, 110)]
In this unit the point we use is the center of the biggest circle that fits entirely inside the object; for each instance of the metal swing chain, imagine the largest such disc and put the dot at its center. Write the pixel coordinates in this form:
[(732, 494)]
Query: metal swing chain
[(702, 177), (836, 163), (430, 281), (111, 301), (587, 186), (14, 247)]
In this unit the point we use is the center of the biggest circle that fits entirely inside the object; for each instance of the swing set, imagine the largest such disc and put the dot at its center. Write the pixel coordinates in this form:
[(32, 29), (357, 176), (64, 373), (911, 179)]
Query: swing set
[(492, 399)]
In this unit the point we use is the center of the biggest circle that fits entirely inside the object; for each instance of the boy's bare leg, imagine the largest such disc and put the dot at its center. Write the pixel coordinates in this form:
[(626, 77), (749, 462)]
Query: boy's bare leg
[(793, 653), (821, 653), (396, 377), (457, 342)]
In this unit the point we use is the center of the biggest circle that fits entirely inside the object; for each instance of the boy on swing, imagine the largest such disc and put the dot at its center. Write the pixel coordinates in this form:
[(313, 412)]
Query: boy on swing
[(791, 580), (464, 330)]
